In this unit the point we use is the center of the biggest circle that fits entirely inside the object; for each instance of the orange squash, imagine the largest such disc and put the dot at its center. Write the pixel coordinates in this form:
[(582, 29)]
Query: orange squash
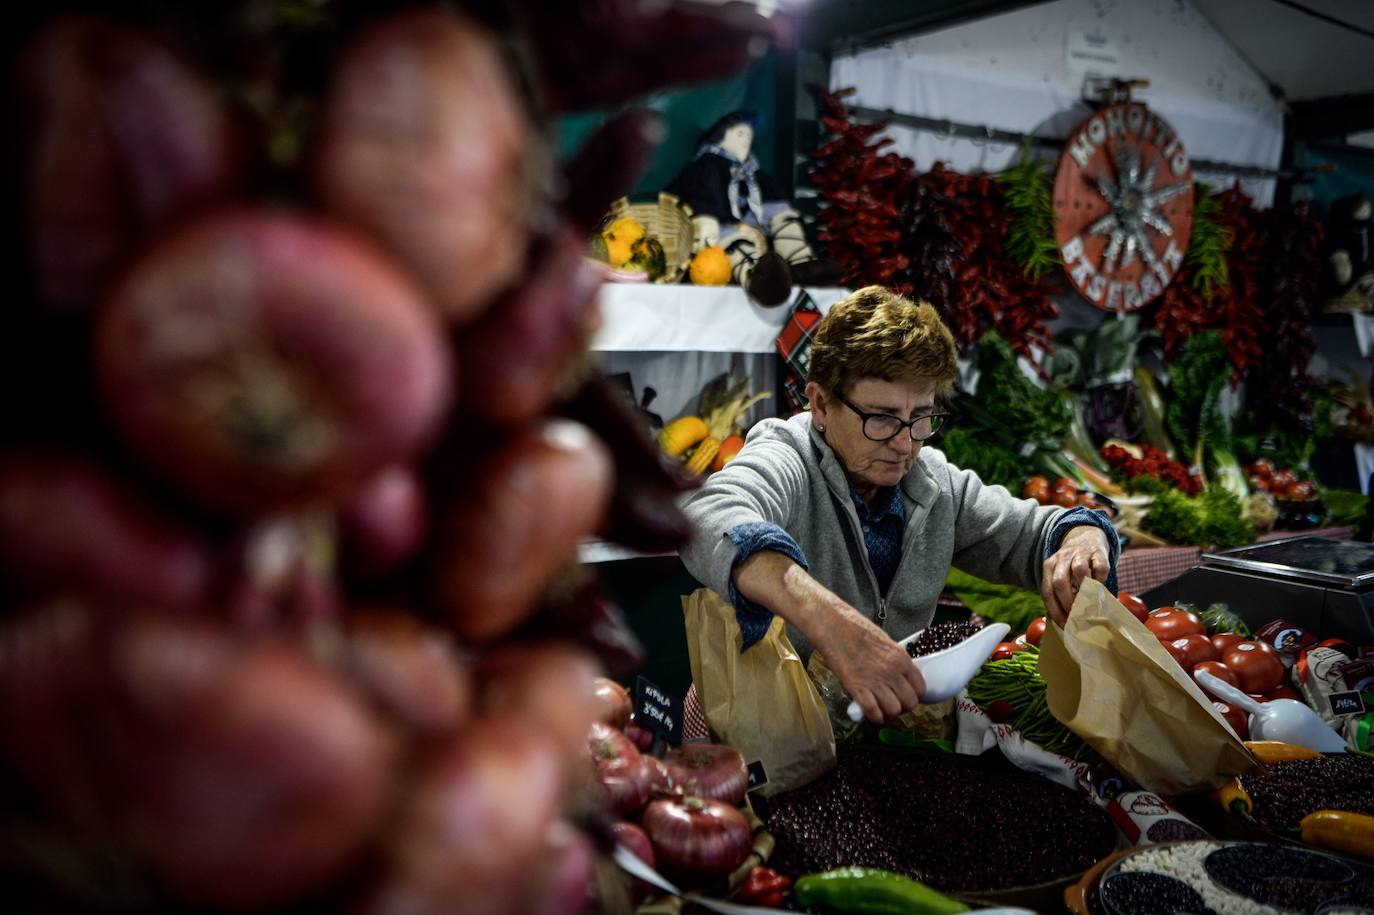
[(729, 447)]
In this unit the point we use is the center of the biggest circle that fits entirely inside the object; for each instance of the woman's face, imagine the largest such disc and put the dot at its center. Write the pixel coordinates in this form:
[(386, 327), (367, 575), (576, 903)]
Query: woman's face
[(866, 462)]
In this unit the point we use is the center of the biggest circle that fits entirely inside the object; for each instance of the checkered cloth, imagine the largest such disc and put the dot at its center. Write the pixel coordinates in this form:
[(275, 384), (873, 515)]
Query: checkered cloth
[(693, 721), (1143, 568), (794, 348)]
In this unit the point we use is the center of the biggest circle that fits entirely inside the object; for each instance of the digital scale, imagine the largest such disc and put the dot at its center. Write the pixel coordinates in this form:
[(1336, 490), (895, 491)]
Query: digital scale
[(1324, 585)]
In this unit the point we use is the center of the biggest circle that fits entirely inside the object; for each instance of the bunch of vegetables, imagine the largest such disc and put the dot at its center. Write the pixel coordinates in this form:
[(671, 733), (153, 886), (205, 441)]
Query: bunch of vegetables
[(1009, 414), (1290, 289), (707, 442), (1196, 422), (1010, 689), (1214, 517), (1144, 468), (290, 615)]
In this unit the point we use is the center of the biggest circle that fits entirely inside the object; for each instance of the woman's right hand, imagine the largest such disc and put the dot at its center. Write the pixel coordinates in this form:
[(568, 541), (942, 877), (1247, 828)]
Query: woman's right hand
[(875, 671)]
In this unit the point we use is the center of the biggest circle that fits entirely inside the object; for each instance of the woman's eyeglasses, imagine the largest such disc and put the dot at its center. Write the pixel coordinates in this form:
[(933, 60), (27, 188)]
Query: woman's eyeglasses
[(880, 427)]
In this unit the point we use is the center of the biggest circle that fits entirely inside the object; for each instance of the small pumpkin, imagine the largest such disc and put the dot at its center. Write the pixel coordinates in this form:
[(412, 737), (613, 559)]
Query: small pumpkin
[(710, 267), (626, 229), (681, 434), (617, 251), (729, 447)]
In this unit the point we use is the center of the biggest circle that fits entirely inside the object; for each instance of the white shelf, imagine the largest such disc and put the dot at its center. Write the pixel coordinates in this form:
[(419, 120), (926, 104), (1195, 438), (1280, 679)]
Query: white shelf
[(647, 317), (591, 552)]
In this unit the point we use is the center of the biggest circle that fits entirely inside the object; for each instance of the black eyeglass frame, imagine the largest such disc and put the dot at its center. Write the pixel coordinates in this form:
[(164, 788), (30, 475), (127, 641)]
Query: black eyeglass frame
[(937, 420)]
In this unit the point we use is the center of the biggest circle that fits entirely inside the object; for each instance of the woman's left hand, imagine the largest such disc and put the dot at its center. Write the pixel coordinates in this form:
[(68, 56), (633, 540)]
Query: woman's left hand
[(1081, 555)]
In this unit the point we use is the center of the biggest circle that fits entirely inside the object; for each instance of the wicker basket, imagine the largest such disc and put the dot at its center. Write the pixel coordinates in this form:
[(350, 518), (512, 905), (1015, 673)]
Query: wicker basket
[(670, 221)]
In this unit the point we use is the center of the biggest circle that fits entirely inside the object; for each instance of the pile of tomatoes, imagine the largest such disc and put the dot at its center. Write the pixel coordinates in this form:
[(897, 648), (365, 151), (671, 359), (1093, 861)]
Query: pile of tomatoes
[(1064, 492), (1279, 482), (1249, 665)]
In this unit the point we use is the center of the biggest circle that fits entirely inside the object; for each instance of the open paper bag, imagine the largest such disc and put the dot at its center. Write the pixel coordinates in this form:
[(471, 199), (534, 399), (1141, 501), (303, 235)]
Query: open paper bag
[(1111, 682), (761, 701)]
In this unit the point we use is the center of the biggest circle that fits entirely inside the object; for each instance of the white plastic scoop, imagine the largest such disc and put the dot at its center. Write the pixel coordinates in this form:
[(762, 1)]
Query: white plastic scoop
[(1287, 720), (948, 671)]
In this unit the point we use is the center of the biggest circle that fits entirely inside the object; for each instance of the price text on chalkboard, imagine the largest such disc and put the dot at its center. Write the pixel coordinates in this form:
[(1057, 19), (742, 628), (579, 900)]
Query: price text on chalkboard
[(1351, 703), (658, 711)]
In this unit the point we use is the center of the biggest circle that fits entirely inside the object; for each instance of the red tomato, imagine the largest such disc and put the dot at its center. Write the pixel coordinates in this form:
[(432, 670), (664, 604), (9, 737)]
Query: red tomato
[(1280, 692), (1037, 488), (1282, 478), (1064, 484), (1036, 630), (1225, 641), (1256, 670), (1262, 466), (1300, 491), (1190, 650), (1238, 720), (1005, 650), (1216, 669), (1064, 498), (1169, 623), (1133, 604)]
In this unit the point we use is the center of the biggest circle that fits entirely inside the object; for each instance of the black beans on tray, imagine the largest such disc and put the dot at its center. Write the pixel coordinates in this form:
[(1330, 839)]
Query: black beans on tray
[(941, 636), (1289, 791), (958, 823)]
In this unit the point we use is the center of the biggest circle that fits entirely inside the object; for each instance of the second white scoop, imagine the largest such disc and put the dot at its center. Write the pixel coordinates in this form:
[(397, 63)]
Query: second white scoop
[(948, 671), (1287, 720)]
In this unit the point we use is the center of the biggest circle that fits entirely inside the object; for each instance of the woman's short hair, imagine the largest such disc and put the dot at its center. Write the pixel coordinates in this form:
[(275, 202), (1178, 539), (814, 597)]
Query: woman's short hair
[(875, 333)]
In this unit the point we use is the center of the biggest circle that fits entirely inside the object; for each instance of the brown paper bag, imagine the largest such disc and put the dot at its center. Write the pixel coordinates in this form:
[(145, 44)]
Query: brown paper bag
[(1111, 682), (760, 702)]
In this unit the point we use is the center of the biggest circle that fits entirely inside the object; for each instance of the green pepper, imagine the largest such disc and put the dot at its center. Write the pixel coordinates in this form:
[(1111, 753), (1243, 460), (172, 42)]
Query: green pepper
[(874, 891)]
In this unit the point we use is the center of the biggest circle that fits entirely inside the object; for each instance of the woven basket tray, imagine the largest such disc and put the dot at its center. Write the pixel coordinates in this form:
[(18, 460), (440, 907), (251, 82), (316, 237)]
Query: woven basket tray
[(670, 221)]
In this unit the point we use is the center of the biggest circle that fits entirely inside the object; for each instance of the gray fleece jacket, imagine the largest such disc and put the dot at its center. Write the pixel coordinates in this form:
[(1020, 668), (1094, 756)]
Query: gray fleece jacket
[(787, 475)]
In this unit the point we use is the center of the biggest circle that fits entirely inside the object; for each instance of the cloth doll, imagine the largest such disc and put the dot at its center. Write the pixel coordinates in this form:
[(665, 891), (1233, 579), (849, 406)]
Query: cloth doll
[(740, 207), (1350, 257)]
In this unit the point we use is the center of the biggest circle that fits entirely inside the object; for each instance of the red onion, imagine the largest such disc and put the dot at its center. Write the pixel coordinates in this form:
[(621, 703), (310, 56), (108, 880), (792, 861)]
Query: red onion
[(409, 669), (251, 775), (384, 523), (68, 525), (265, 362), (475, 823), (620, 769), (614, 705), (426, 144), (708, 770), (569, 874), (642, 738), (636, 841), (518, 517), (547, 684), (697, 840), (123, 138)]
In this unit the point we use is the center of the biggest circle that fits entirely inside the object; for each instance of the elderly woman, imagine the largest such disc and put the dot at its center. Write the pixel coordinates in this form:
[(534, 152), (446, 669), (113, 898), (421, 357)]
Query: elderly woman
[(843, 523)]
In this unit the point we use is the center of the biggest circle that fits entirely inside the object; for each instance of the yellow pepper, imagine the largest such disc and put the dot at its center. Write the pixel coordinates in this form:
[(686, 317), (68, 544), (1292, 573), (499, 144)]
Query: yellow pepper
[(1269, 752), (1234, 799), (1340, 830)]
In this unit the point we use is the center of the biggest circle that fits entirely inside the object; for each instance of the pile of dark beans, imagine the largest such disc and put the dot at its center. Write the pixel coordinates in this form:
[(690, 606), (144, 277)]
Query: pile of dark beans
[(941, 636), (1288, 878), (1291, 790), (1173, 830), (957, 823), (1144, 893)]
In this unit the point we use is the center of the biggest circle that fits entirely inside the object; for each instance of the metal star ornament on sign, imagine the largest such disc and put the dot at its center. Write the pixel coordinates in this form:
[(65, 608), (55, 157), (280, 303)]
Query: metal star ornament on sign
[(1123, 206)]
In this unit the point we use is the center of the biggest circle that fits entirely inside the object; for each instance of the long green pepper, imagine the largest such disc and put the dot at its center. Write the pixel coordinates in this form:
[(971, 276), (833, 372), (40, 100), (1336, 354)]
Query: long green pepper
[(872, 891)]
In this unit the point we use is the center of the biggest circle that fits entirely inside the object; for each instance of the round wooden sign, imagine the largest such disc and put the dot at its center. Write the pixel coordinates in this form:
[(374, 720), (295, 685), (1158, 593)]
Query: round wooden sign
[(1123, 206)]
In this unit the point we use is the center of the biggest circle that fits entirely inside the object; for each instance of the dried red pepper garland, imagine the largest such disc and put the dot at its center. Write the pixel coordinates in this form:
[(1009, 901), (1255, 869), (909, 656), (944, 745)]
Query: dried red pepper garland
[(866, 192), (1235, 310), (939, 236), (1292, 286)]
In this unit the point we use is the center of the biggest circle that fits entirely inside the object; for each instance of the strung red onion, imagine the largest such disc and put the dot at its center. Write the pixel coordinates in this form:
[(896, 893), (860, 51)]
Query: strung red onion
[(546, 684), (614, 704), (384, 524), (697, 840), (620, 769), (409, 669), (709, 770), (569, 873), (636, 841)]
